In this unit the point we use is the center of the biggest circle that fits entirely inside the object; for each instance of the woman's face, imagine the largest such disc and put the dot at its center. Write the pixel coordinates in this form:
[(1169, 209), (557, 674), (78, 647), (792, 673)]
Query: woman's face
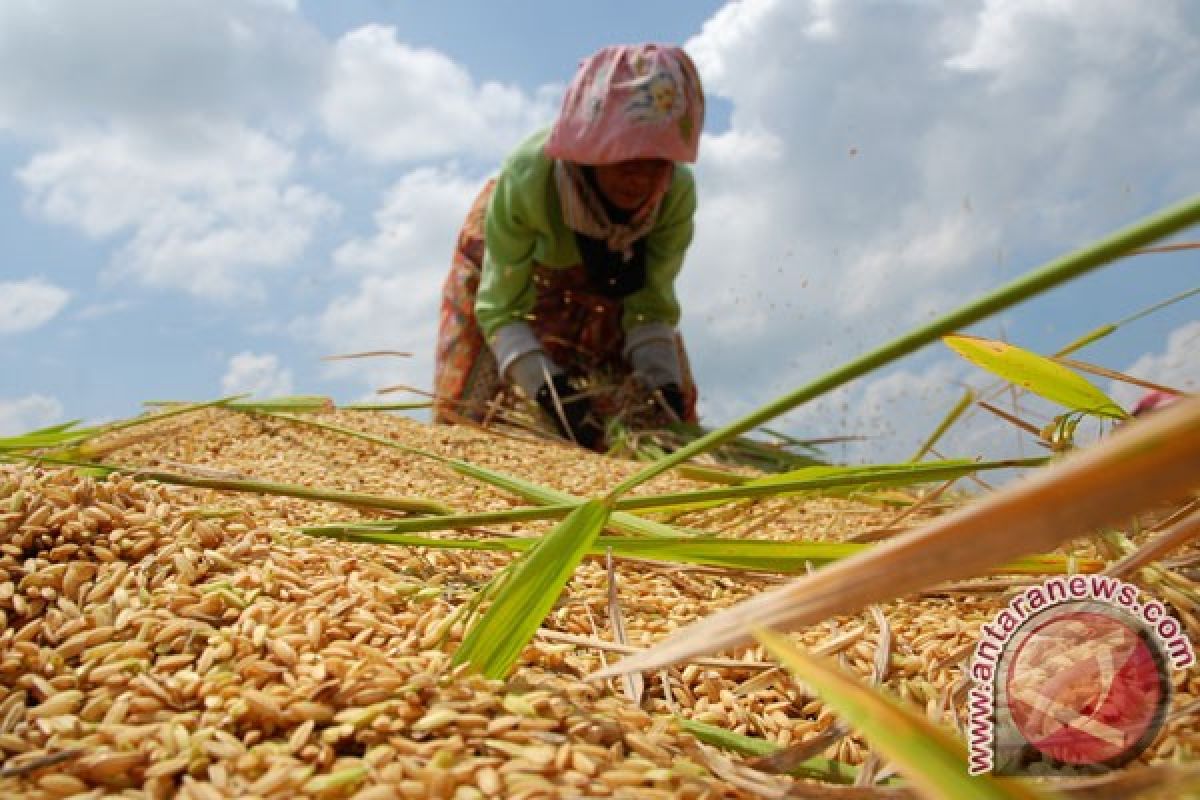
[(627, 184)]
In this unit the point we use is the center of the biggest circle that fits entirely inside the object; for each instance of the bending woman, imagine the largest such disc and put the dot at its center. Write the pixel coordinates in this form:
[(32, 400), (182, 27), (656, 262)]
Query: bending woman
[(566, 264)]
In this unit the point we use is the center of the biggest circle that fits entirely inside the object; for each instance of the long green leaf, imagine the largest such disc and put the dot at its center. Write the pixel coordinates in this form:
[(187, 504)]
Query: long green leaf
[(40, 440), (626, 523), (822, 769), (1079, 343), (387, 406), (496, 640), (414, 505), (296, 403), (1036, 374), (177, 410), (67, 441), (960, 408), (825, 478), (934, 762), (762, 555), (1050, 275), (821, 478), (1100, 486)]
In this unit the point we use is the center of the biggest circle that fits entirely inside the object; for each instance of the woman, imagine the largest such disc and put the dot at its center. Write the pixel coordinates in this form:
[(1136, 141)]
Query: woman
[(566, 265)]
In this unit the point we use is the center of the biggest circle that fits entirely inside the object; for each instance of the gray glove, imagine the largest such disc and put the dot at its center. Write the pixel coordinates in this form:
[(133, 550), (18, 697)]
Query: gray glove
[(520, 358), (651, 351), (531, 371)]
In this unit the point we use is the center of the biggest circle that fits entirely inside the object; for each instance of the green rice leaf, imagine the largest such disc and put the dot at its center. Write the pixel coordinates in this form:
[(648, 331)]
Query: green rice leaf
[(62, 427), (826, 478), (809, 479), (1088, 338), (412, 505), (760, 555), (960, 408), (495, 641), (41, 440), (1048, 276), (822, 769), (176, 410), (711, 475), (1035, 373), (626, 523), (388, 406), (297, 403), (934, 762)]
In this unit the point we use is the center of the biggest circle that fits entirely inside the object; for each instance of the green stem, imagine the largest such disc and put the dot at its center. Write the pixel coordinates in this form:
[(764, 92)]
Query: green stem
[(1047, 277), (959, 409), (908, 476)]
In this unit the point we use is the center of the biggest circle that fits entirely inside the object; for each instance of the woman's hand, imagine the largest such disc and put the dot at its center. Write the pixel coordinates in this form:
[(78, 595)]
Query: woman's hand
[(571, 413)]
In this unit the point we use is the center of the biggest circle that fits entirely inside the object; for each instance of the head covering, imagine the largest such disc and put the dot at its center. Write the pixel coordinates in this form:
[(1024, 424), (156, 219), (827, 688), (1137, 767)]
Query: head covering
[(627, 102)]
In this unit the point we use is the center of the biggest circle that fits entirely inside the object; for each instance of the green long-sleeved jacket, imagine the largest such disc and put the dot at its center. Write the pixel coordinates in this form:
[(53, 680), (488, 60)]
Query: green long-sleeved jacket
[(525, 226)]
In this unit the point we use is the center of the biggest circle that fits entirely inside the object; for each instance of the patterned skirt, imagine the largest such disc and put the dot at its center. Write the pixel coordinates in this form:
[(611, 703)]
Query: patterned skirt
[(580, 331)]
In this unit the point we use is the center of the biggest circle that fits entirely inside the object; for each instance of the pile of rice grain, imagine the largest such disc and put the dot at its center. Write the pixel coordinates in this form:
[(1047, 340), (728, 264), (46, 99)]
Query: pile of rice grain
[(161, 641)]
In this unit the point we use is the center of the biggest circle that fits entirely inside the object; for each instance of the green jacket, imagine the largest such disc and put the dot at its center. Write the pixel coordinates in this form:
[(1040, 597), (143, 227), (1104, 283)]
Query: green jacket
[(525, 226)]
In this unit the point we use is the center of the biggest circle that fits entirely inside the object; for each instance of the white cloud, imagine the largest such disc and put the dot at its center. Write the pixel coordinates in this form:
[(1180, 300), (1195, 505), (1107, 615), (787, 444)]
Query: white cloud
[(402, 265), (397, 313), (29, 304), (169, 128), (28, 413), (394, 102), (417, 224), (1019, 41), (258, 374), (204, 211), (1178, 366), (889, 161), (68, 64), (106, 309)]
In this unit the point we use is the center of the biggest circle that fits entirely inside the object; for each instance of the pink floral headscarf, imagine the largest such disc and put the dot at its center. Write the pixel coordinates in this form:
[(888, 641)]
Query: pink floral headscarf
[(627, 102)]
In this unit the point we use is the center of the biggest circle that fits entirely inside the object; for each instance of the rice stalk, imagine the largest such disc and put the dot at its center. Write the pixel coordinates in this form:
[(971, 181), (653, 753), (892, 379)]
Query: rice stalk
[(758, 555), (387, 406), (299, 403), (1050, 275), (816, 768), (626, 523), (412, 505), (1113, 374), (1102, 485), (1075, 345), (826, 478)]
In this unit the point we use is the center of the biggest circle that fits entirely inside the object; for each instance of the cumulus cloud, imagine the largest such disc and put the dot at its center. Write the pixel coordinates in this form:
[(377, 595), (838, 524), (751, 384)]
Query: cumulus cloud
[(203, 211), (391, 101), (383, 313), (889, 161), (28, 413), (169, 132), (67, 63), (401, 267), (259, 374), (416, 224), (1178, 366), (29, 304)]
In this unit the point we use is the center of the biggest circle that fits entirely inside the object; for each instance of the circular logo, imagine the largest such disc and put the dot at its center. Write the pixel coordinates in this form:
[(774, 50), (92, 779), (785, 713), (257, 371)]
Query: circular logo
[(1086, 685)]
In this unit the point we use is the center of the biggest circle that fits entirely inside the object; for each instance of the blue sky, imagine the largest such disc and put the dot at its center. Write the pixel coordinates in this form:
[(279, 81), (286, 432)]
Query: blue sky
[(198, 198)]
